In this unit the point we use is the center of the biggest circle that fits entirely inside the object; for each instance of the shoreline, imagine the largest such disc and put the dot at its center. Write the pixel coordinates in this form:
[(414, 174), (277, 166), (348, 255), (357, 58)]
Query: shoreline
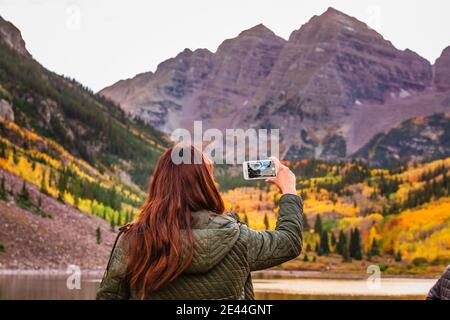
[(264, 274), (299, 274), (49, 272)]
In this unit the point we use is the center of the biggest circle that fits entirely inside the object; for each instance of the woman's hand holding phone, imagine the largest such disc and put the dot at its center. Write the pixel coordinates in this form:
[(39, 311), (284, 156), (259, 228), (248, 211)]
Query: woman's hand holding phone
[(285, 179)]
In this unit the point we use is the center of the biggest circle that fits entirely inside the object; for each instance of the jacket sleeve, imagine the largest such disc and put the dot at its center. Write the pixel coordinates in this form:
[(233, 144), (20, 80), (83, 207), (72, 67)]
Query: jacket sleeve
[(114, 285), (270, 248), (441, 289), (435, 291)]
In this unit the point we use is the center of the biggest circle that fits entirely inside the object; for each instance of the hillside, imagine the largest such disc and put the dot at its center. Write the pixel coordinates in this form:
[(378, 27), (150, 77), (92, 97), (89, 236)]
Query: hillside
[(330, 88), (86, 125), (401, 215), (418, 139), (54, 237), (72, 165), (57, 209)]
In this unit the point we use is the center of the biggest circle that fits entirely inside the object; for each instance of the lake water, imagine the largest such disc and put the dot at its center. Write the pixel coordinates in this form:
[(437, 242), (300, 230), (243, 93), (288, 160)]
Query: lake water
[(53, 287)]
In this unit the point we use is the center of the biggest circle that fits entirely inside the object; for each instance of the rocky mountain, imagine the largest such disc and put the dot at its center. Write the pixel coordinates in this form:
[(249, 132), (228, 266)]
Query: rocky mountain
[(419, 139), (72, 165), (331, 87), (88, 126), (200, 84), (442, 71), (12, 37)]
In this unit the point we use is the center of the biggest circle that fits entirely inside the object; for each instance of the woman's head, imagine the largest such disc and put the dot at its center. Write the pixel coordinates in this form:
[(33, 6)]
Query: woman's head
[(187, 186), (161, 240)]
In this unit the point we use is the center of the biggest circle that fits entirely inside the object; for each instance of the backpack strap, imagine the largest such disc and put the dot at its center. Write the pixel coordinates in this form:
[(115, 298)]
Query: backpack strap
[(122, 230)]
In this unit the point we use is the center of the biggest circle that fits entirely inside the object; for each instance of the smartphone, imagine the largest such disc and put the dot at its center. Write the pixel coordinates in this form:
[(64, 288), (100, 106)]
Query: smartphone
[(259, 169)]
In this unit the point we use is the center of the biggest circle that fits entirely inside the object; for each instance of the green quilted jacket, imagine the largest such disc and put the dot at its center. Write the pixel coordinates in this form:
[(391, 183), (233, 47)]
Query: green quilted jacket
[(225, 253)]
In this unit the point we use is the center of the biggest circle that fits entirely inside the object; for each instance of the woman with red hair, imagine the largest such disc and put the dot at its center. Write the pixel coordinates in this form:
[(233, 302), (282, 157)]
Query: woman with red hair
[(183, 246)]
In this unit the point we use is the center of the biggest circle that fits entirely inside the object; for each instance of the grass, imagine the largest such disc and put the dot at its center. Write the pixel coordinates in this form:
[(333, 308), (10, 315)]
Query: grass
[(41, 213)]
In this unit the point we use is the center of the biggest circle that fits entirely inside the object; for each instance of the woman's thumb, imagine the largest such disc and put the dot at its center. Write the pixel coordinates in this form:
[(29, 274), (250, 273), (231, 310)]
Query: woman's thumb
[(270, 180)]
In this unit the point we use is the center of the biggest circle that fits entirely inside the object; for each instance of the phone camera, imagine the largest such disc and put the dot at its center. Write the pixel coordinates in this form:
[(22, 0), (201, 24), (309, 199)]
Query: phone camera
[(255, 166)]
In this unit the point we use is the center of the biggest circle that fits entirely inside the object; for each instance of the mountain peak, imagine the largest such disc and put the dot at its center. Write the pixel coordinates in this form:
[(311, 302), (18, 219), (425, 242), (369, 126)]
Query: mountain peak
[(259, 30), (338, 16), (12, 37), (331, 23), (333, 11), (442, 70)]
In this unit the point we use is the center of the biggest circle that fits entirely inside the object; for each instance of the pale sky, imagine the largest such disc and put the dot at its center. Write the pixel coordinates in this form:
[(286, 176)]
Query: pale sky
[(99, 42)]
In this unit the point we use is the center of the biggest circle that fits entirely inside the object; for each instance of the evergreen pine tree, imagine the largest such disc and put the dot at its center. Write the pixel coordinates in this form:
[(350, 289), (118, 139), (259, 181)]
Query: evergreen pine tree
[(24, 196), (246, 219), (358, 251), (305, 224), (60, 197), (346, 253), (43, 187), (39, 204), (266, 221), (318, 249), (351, 244), (76, 201), (3, 153), (62, 185), (112, 224), (3, 193), (98, 235), (355, 244), (375, 249), (15, 157), (398, 256), (318, 225), (51, 178), (324, 245), (342, 242), (333, 240), (305, 258)]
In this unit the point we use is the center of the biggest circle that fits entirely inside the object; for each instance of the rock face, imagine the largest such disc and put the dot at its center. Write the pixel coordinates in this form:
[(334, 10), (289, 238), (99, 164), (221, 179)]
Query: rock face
[(6, 111), (328, 68), (10, 35), (442, 71), (334, 60), (200, 84), (318, 87), (417, 139), (60, 109)]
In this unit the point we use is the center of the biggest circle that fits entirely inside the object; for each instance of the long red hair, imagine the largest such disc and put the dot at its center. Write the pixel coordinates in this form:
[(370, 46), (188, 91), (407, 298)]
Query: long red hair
[(161, 239)]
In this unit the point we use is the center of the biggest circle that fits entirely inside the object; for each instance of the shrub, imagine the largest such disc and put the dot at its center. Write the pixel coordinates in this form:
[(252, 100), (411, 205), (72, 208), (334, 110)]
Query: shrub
[(419, 261), (440, 260)]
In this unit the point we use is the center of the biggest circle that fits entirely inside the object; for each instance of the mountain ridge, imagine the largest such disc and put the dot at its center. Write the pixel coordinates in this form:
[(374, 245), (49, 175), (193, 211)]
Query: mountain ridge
[(331, 71), (73, 166), (88, 126), (13, 37)]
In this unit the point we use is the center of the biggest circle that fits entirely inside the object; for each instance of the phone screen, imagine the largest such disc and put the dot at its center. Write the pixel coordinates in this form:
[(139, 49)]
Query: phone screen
[(261, 169)]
